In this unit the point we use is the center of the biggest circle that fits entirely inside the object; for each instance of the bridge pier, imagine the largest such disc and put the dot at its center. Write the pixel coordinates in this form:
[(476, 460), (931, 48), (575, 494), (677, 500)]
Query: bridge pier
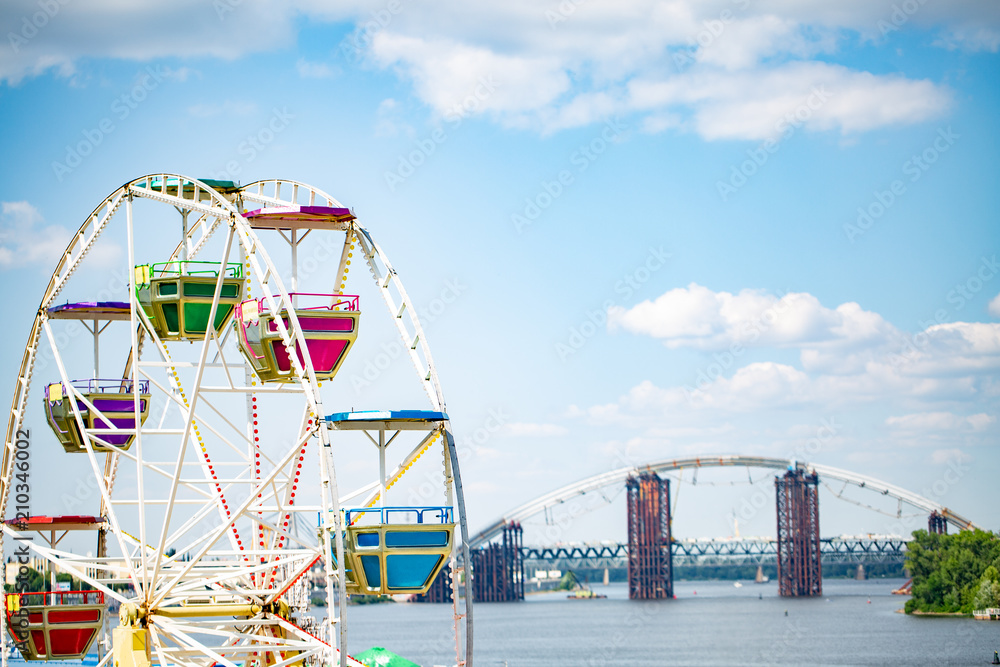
[(936, 523), (440, 590), (799, 570), (650, 563), (498, 568)]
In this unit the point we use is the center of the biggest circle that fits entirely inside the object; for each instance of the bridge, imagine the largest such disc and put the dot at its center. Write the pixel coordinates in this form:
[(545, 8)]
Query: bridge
[(651, 552), (756, 551)]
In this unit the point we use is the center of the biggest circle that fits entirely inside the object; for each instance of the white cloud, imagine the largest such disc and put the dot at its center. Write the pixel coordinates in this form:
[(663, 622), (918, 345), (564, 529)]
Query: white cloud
[(994, 306), (767, 103), (941, 421), (849, 358), (943, 456), (227, 108), (448, 75), (135, 31), (697, 317), (315, 70), (25, 240), (389, 120), (971, 38), (524, 429), (593, 60)]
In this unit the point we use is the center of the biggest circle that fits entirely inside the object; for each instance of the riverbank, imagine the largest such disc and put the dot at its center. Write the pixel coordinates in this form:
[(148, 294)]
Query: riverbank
[(943, 614)]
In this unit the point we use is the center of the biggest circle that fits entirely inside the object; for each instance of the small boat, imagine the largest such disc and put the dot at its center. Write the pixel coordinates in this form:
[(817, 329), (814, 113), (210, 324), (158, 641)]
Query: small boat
[(737, 584), (585, 594)]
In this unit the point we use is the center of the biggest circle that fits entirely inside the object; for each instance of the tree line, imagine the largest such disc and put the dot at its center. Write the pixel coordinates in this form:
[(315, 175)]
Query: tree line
[(954, 573)]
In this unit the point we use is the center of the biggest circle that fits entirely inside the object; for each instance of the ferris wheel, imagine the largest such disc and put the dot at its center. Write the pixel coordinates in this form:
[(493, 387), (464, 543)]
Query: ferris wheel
[(217, 516)]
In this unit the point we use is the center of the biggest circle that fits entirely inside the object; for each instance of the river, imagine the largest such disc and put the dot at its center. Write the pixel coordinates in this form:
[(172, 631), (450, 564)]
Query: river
[(710, 623)]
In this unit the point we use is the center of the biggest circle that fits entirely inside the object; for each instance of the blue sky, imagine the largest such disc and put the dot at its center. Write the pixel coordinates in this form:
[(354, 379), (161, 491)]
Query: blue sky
[(639, 230)]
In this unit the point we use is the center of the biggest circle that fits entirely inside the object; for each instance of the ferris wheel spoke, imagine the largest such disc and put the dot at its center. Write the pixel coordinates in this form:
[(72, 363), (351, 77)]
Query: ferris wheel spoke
[(189, 248), (207, 424), (157, 643), (72, 397), (173, 631), (217, 533), (133, 322), (295, 561)]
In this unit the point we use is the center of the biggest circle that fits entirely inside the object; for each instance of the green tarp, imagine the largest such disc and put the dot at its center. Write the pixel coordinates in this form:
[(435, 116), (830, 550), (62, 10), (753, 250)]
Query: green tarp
[(380, 657)]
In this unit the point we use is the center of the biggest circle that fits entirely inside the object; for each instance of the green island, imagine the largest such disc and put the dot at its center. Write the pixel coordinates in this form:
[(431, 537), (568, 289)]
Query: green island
[(953, 574)]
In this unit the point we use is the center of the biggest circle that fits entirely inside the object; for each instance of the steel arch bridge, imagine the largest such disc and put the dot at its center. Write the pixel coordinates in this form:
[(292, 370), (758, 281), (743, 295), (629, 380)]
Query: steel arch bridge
[(618, 477)]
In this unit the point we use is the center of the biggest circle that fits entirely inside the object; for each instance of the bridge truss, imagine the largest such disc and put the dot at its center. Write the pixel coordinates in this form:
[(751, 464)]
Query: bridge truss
[(763, 551)]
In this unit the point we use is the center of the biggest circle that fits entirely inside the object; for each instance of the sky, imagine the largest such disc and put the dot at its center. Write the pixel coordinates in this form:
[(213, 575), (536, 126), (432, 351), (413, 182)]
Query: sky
[(634, 230)]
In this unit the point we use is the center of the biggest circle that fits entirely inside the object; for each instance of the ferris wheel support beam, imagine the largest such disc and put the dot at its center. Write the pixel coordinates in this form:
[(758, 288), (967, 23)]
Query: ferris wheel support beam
[(328, 481), (464, 527), (196, 393), (133, 300)]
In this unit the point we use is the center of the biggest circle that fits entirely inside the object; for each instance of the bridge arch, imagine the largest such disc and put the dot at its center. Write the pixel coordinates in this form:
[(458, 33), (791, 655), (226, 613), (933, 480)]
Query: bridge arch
[(618, 476)]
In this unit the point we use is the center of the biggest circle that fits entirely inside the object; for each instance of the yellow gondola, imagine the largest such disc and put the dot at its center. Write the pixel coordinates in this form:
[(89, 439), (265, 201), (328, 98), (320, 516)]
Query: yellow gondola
[(177, 296), (393, 557), (114, 406)]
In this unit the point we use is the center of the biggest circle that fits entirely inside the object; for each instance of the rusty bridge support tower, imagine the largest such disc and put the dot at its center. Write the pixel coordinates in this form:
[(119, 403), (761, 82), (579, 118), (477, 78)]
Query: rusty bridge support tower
[(440, 590), (799, 570), (498, 568), (650, 558), (936, 523)]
